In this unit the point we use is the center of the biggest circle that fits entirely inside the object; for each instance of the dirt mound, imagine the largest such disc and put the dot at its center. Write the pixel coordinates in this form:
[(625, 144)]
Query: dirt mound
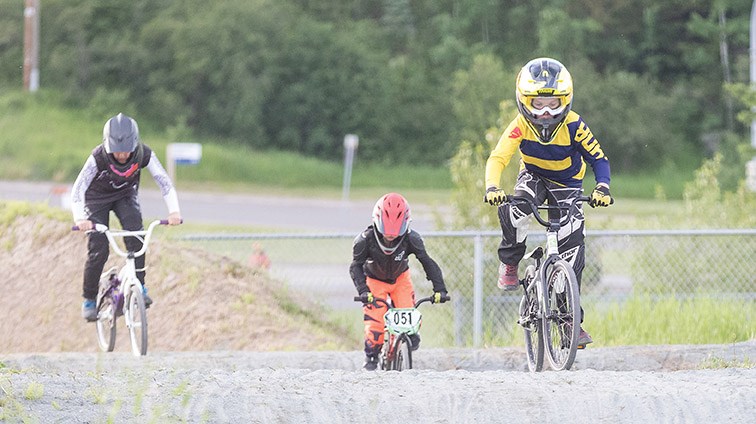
[(202, 301)]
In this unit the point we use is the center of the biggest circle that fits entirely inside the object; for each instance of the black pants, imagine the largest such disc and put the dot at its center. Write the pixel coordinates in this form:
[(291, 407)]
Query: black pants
[(129, 213), (515, 220)]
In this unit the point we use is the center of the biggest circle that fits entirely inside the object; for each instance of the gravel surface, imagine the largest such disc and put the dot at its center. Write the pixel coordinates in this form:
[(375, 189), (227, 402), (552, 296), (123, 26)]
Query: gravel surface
[(700, 384)]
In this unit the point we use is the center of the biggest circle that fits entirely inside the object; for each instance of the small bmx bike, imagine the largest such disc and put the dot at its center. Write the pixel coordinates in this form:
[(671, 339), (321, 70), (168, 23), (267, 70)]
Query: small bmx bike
[(399, 325), (550, 313), (121, 293)]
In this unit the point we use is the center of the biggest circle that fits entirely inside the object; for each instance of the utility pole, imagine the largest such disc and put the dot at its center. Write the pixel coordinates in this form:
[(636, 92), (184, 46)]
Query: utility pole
[(753, 67), (31, 45), (751, 165)]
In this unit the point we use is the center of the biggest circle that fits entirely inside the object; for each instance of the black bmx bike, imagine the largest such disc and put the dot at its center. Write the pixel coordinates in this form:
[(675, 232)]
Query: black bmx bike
[(550, 313)]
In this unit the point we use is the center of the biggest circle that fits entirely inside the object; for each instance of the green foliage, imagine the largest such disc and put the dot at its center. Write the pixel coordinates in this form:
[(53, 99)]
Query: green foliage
[(476, 94), (710, 206), (627, 124), (34, 391), (698, 320), (297, 75), (467, 168), (719, 363), (706, 206)]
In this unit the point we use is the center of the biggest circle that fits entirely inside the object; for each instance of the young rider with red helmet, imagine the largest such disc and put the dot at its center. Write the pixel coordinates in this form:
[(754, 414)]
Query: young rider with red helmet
[(380, 268), (109, 181), (555, 144)]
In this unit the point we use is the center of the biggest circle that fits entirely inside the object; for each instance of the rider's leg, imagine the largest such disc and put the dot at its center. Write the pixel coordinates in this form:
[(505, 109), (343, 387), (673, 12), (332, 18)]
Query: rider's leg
[(403, 295), (514, 228), (97, 255), (98, 251), (572, 245), (373, 318), (130, 215)]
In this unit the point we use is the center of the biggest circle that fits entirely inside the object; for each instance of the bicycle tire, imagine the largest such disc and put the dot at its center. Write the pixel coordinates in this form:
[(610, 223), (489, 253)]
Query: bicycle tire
[(137, 321), (530, 321), (106, 324), (562, 323), (402, 354)]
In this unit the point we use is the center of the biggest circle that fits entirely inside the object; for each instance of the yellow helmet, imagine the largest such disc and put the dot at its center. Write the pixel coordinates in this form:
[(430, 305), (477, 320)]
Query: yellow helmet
[(544, 96)]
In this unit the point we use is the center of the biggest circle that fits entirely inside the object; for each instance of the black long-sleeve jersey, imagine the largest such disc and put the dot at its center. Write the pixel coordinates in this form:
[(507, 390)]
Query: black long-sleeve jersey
[(369, 260)]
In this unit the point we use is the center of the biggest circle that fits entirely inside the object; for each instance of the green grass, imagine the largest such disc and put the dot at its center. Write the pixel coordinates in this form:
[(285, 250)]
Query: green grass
[(699, 320)]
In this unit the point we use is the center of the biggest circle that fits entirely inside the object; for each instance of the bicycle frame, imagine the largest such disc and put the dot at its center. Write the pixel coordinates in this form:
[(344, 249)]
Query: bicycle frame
[(118, 294), (545, 315)]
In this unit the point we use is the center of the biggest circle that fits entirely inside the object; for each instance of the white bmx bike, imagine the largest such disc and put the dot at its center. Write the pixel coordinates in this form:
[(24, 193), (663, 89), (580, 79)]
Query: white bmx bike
[(121, 292)]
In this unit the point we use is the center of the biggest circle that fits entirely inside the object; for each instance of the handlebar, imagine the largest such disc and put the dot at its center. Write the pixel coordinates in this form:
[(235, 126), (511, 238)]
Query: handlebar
[(143, 235), (417, 303), (522, 200)]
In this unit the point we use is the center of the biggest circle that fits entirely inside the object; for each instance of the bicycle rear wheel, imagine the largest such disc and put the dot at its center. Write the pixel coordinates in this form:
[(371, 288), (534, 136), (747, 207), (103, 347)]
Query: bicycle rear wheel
[(137, 321), (531, 322), (402, 354), (106, 324), (562, 326)]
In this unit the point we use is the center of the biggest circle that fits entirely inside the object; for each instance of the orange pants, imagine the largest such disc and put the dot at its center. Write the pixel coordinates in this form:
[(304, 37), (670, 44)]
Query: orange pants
[(402, 295)]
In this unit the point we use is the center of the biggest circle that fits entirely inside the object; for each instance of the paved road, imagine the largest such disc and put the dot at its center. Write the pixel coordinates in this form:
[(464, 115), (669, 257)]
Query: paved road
[(279, 213)]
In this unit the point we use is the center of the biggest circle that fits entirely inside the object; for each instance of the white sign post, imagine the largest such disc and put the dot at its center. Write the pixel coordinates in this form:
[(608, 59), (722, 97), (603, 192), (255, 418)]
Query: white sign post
[(751, 174), (350, 146), (182, 154)]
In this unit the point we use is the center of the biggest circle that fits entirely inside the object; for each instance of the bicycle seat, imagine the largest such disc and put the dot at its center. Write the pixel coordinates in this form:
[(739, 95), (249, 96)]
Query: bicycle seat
[(536, 254)]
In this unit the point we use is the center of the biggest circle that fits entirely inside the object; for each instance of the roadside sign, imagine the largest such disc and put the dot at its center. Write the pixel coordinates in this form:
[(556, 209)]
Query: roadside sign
[(182, 154)]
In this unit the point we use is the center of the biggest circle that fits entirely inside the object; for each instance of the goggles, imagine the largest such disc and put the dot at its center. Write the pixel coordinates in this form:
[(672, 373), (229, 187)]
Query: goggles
[(540, 105)]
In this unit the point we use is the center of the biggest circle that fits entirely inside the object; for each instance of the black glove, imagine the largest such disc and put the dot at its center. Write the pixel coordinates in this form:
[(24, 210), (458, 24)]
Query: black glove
[(494, 196), (367, 298), (601, 196), (440, 296)]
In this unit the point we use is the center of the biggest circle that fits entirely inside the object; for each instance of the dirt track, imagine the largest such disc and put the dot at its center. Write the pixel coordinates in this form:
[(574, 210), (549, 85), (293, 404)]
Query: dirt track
[(607, 385)]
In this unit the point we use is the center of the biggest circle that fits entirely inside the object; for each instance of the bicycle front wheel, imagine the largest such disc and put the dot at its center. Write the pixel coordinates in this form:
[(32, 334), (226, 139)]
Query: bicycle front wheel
[(530, 320), (402, 354), (562, 324), (137, 321), (106, 324)]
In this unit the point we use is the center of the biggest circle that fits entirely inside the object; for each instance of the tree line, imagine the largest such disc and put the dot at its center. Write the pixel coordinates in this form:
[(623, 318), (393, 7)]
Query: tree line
[(413, 78)]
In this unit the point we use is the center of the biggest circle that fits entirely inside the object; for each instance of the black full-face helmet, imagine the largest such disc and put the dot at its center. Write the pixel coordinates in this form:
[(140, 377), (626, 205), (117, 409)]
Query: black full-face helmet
[(121, 135)]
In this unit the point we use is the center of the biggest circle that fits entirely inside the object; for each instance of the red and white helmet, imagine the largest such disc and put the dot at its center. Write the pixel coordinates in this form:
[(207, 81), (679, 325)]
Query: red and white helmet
[(391, 218)]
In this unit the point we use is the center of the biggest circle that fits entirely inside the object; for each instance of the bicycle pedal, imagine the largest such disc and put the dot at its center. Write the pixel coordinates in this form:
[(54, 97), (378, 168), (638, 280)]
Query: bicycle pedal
[(581, 347)]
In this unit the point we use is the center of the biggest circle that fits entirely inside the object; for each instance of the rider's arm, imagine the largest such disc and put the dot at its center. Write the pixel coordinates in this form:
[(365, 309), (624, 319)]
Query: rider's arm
[(592, 153), (359, 256), (79, 190), (431, 268), (502, 153), (164, 182)]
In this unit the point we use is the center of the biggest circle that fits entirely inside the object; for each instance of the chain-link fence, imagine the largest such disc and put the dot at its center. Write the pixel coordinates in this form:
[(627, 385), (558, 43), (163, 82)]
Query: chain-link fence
[(619, 265)]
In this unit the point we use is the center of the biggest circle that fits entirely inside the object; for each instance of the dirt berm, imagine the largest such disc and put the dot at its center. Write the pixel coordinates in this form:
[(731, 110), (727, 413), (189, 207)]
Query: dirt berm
[(202, 301)]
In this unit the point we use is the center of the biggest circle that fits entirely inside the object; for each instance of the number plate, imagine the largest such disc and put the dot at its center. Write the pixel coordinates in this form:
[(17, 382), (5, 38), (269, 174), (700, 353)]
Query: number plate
[(403, 320)]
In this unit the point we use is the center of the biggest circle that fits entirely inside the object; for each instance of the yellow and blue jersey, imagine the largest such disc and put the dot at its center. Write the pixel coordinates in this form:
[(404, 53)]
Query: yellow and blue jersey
[(563, 160)]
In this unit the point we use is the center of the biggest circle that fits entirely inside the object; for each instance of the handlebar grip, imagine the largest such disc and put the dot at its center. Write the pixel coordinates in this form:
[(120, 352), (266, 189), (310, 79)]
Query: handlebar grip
[(358, 298), (163, 222), (75, 228)]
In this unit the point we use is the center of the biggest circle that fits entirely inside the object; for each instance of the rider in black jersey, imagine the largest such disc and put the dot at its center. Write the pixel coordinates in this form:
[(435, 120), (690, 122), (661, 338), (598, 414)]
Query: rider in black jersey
[(109, 181), (380, 268)]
